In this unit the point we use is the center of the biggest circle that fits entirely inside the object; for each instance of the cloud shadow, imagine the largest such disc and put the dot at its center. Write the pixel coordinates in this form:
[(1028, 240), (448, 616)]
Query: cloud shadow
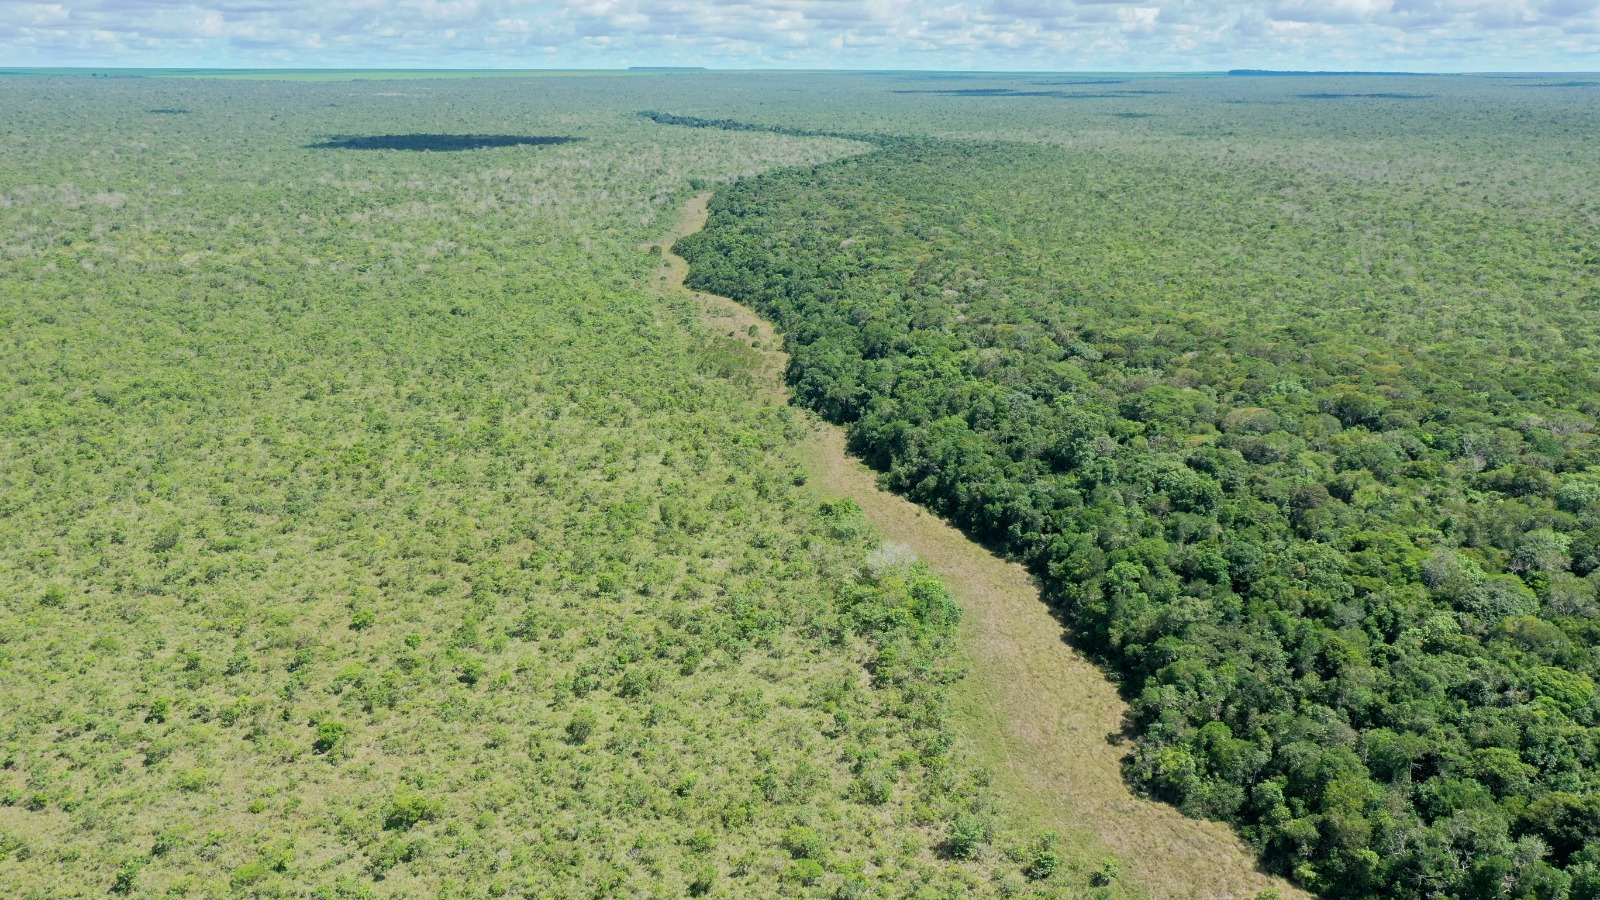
[(436, 143)]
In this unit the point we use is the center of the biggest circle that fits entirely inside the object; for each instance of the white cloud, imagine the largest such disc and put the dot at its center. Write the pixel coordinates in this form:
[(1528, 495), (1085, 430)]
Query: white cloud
[(1139, 18), (1339, 11), (994, 34), (446, 10), (40, 14)]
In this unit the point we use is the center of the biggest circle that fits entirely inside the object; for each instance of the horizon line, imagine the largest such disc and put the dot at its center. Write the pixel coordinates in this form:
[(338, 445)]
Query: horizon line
[(692, 70), (714, 70)]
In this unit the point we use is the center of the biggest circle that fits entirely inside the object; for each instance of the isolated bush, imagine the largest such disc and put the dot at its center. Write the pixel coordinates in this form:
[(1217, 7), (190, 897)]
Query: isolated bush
[(703, 840), (127, 874), (409, 808), (1045, 862), (393, 851), (248, 874), (166, 538), (582, 725), (1106, 874), (471, 671), (967, 835), (804, 871), (804, 843), (702, 881), (329, 735), (874, 787)]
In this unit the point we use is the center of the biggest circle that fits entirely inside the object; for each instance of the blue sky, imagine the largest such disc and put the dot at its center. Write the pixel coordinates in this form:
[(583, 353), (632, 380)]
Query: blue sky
[(1061, 35)]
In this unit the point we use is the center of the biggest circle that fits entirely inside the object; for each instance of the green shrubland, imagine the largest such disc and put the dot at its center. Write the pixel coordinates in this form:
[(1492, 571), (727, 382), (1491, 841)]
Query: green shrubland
[(370, 528)]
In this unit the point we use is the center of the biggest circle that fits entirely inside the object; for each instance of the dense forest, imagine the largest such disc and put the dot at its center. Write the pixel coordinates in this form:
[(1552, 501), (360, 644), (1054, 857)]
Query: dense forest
[(370, 527), (1291, 407)]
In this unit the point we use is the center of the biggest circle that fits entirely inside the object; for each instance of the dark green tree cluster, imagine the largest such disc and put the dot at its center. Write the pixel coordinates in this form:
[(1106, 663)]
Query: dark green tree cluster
[(1308, 459)]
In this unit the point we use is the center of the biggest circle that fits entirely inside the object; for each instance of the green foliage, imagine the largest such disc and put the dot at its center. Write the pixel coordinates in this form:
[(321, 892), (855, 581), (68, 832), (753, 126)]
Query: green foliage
[(702, 881), (330, 734), (335, 484), (1282, 453), (703, 840), (127, 875), (967, 836), (166, 538), (582, 725), (1043, 864), (346, 888), (409, 808), (1107, 874), (471, 671), (249, 874), (804, 871)]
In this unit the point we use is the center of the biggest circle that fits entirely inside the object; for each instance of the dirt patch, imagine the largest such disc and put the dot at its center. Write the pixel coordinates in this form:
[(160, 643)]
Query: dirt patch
[(1037, 713)]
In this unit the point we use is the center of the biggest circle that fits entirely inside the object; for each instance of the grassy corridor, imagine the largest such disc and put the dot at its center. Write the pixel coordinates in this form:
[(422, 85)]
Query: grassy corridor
[(1030, 707)]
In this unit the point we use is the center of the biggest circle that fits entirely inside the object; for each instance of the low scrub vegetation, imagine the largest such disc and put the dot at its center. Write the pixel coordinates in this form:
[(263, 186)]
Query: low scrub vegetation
[(372, 529)]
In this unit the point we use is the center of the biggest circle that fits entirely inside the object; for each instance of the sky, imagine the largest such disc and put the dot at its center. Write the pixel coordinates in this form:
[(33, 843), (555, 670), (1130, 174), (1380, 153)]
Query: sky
[(994, 35)]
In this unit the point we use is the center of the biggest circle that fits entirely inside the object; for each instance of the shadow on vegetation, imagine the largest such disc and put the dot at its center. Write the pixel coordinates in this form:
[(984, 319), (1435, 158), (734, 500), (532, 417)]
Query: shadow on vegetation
[(1273, 73), (1010, 92), (982, 92), (438, 143), (926, 76), (1382, 95)]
